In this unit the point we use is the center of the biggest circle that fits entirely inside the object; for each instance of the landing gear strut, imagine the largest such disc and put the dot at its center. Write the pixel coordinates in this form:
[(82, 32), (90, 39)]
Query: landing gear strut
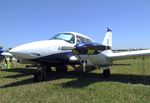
[(42, 72), (84, 64)]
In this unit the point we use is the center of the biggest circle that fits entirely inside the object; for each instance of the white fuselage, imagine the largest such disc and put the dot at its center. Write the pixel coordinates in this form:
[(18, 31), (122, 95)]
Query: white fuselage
[(50, 51), (39, 49)]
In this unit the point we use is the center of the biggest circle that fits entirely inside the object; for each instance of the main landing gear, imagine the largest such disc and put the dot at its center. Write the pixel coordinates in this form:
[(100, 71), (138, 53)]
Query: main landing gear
[(42, 72), (106, 72)]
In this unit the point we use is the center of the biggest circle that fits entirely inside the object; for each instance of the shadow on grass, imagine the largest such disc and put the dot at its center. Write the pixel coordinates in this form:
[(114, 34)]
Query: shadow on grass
[(20, 70), (90, 78), (19, 83), (79, 79), (18, 73)]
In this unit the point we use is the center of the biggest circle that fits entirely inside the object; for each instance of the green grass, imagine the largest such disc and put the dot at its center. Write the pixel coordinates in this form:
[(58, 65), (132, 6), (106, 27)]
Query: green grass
[(127, 84)]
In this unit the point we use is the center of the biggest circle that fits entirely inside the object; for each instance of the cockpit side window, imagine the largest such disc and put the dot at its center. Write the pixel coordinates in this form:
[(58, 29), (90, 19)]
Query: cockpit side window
[(80, 39), (88, 40), (83, 39)]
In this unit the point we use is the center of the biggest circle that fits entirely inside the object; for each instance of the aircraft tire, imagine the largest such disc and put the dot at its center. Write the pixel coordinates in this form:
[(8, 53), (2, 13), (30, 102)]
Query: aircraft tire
[(106, 73), (40, 74), (48, 70)]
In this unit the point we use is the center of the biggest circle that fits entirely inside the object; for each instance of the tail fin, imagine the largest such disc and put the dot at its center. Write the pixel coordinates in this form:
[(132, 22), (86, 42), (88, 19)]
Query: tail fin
[(108, 38)]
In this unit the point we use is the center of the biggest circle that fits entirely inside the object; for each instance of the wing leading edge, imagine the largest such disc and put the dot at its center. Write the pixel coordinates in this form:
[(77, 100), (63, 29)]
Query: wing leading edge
[(127, 55)]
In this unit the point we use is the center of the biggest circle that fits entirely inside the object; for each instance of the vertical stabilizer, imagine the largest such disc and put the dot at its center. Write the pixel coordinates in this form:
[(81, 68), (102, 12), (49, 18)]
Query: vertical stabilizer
[(108, 38)]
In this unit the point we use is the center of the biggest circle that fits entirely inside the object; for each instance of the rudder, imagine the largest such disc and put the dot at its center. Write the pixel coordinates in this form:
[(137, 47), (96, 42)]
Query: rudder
[(108, 38)]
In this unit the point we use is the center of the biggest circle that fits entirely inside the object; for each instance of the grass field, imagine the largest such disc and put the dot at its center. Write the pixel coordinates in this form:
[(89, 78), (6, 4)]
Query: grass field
[(127, 84)]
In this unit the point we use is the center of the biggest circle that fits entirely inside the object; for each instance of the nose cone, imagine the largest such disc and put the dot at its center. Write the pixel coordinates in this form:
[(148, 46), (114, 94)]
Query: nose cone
[(35, 49), (26, 51), (38, 49), (20, 52)]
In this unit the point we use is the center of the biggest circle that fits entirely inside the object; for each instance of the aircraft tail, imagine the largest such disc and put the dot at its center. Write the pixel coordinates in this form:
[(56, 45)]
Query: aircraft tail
[(108, 38)]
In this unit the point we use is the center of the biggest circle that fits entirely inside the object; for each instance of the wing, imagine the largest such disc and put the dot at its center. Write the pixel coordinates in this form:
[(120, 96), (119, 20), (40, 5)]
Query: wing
[(7, 54), (126, 55)]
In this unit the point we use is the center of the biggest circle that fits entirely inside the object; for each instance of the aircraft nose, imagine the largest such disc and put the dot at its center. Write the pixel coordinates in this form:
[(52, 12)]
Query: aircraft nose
[(15, 50), (20, 52)]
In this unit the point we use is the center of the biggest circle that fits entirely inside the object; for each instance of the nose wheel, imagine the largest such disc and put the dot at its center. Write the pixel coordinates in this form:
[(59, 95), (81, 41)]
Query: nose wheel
[(106, 72), (40, 74)]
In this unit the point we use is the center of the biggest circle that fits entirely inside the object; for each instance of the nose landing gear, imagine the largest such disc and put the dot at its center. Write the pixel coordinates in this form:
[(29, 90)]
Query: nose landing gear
[(106, 71), (40, 74)]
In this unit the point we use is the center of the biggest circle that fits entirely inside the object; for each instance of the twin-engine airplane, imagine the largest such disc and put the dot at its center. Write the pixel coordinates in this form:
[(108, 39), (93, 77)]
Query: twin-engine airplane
[(71, 48)]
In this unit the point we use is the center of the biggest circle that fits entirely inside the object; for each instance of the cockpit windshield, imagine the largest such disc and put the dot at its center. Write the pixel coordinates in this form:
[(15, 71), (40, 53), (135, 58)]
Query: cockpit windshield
[(68, 37)]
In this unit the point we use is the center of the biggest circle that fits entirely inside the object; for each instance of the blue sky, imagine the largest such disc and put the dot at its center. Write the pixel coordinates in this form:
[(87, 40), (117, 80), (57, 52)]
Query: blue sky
[(23, 21)]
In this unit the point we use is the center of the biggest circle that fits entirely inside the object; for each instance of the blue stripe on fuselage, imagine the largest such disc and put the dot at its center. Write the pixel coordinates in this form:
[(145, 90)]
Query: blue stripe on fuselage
[(60, 58)]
